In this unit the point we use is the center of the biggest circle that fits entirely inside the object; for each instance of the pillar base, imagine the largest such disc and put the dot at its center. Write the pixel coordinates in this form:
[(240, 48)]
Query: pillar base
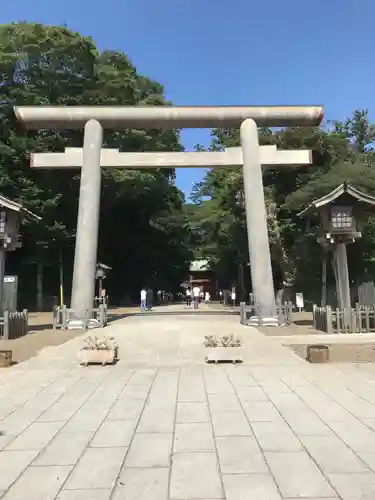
[(264, 321), (82, 324)]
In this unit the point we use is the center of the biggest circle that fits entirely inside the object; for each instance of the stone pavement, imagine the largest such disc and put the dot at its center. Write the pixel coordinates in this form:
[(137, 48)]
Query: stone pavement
[(162, 425)]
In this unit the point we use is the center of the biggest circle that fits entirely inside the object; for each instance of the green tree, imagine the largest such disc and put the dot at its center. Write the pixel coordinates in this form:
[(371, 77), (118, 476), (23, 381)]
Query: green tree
[(53, 65), (343, 151)]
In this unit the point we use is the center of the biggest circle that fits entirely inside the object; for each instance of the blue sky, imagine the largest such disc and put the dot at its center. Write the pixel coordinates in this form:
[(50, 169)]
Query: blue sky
[(232, 52)]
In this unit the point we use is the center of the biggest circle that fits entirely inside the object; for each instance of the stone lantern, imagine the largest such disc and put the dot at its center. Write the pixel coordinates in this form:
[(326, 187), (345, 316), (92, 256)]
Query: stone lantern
[(100, 275), (341, 212), (11, 214)]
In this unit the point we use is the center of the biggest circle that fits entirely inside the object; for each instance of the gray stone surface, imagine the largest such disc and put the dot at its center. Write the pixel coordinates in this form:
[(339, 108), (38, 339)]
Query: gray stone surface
[(42, 483), (354, 486), (298, 476), (230, 423), (276, 436), (195, 476), (150, 450), (332, 455), (240, 455), (114, 433), (157, 420), (97, 468), (142, 484), (246, 486), (193, 438), (84, 495), (188, 413), (12, 464), (65, 449), (35, 437), (162, 425)]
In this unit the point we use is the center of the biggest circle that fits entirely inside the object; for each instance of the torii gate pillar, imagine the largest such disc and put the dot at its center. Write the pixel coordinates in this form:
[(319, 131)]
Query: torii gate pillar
[(85, 255), (256, 220)]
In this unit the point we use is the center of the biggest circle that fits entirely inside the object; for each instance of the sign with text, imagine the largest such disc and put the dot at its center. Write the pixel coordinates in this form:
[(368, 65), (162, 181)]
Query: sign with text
[(299, 300)]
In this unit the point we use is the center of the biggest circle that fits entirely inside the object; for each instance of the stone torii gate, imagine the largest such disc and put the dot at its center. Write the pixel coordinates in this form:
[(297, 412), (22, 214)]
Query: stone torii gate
[(95, 118)]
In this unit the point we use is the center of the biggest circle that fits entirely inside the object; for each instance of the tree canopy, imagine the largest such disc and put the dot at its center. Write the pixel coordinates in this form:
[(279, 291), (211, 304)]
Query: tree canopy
[(342, 151), (141, 236)]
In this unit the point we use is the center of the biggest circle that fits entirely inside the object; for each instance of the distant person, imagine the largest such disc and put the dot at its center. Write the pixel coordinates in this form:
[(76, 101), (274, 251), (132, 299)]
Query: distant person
[(207, 297), (196, 296), (188, 297), (143, 299), (149, 299)]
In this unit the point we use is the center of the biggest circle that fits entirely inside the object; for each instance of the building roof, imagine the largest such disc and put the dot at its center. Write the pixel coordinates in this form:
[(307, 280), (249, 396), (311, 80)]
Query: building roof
[(199, 265), (103, 266), (16, 207), (343, 189)]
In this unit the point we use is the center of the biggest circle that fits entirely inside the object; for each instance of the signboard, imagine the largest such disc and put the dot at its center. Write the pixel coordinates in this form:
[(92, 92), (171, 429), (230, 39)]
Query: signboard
[(10, 292), (299, 301)]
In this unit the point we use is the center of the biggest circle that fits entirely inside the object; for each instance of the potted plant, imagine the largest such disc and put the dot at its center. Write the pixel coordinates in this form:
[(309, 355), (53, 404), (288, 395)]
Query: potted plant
[(103, 351), (223, 349)]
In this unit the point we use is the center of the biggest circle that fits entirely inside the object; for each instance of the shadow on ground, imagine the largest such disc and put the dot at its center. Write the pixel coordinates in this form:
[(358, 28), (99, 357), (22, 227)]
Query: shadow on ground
[(303, 322), (187, 312)]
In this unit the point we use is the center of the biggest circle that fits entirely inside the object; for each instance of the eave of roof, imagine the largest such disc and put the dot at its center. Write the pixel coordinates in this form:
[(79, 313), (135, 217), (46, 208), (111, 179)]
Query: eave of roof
[(16, 207), (344, 188)]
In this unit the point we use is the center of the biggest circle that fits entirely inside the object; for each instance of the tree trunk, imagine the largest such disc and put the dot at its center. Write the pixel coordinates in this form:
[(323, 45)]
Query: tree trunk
[(337, 280), (286, 267), (39, 286), (323, 298), (241, 283)]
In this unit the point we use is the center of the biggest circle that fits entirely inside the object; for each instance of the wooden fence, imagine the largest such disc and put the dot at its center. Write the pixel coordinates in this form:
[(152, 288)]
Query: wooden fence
[(101, 300), (62, 315), (284, 313), (14, 324), (360, 319)]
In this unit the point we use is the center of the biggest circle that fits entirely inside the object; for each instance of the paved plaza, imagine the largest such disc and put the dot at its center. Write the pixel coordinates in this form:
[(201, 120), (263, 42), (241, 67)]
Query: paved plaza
[(162, 425)]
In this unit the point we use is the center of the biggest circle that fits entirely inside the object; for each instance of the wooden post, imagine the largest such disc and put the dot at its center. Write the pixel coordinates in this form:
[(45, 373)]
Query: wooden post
[(102, 320), (2, 272), (323, 299), (6, 325), (358, 317), (64, 316), (25, 313), (242, 312), (314, 316), (39, 286), (329, 326)]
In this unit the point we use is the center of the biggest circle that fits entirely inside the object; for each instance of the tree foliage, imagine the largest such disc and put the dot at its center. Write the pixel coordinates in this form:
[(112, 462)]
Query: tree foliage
[(341, 152), (141, 236)]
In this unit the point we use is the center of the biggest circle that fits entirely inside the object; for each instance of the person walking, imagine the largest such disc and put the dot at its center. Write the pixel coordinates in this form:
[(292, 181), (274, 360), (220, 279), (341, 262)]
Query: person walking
[(196, 296), (188, 297), (143, 299), (149, 299)]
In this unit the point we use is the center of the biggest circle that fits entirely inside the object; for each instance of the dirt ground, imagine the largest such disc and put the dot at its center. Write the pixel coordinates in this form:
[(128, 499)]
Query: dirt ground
[(343, 353), (302, 325), (41, 334)]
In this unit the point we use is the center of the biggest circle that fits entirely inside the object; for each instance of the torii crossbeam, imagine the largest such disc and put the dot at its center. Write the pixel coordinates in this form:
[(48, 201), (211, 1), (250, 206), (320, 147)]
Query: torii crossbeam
[(95, 118), (230, 157)]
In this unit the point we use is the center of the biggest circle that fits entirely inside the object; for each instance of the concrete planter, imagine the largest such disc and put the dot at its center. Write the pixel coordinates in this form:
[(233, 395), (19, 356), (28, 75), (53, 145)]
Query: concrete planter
[(97, 356), (224, 355)]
